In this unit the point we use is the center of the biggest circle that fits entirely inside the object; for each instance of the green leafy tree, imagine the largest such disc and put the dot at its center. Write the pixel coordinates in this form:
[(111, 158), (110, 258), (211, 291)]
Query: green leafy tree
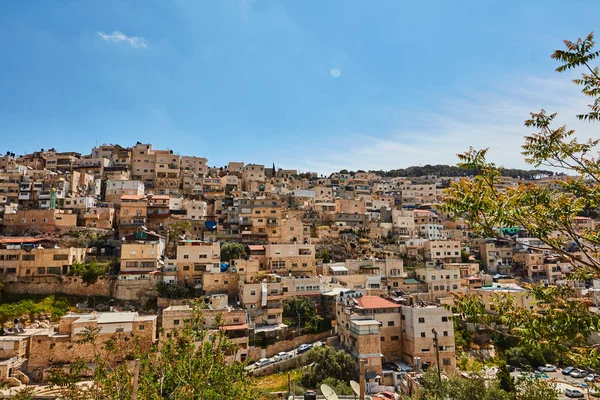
[(455, 387), (304, 306), (328, 363), (562, 323), (231, 251), (505, 381), (89, 271), (535, 389), (190, 365)]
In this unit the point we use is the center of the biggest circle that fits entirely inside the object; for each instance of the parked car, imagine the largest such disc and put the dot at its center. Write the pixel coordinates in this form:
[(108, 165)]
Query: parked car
[(567, 370), (304, 348), (574, 393), (262, 362), (590, 378), (282, 356), (576, 374), (547, 368)]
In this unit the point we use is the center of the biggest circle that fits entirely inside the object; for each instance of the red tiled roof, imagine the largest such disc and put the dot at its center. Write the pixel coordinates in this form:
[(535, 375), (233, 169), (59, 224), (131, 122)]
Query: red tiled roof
[(160, 197), (256, 247), (369, 302)]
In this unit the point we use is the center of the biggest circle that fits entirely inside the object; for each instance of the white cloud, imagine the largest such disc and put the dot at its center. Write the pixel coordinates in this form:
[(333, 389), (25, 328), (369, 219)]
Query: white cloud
[(492, 118), (335, 72), (116, 37)]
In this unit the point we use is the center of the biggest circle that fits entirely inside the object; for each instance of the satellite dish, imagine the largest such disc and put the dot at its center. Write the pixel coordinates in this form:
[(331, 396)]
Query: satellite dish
[(328, 392), (356, 387)]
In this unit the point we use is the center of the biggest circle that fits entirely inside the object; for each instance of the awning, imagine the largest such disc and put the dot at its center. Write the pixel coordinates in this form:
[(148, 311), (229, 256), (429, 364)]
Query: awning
[(253, 247)]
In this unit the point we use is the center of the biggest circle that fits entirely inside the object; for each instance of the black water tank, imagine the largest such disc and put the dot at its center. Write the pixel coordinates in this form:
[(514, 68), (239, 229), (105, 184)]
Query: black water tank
[(310, 395)]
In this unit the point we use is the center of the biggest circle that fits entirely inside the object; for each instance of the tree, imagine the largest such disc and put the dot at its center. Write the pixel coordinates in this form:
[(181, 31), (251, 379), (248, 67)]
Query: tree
[(177, 229), (455, 387), (190, 365), (328, 363), (304, 306), (535, 389), (231, 251), (562, 324), (90, 271)]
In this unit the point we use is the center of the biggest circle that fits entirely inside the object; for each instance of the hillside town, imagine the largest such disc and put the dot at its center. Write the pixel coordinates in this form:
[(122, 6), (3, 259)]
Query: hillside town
[(136, 235)]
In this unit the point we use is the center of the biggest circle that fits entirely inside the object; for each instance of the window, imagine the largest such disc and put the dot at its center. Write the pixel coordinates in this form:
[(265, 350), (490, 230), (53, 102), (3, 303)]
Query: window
[(382, 339), (390, 323), (425, 349), (421, 320), (186, 256), (60, 257), (446, 361), (454, 287), (445, 333), (444, 319), (141, 327), (395, 338), (186, 268), (422, 334), (33, 220), (175, 322), (202, 255), (28, 257), (253, 293), (41, 270)]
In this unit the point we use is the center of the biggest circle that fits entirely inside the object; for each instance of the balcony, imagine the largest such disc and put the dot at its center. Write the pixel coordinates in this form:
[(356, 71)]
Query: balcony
[(246, 222), (133, 222)]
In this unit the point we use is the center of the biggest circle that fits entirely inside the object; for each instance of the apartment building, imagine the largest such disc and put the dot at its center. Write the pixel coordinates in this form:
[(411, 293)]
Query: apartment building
[(116, 189), (47, 221), (25, 257), (418, 324), (494, 254), (253, 176), (133, 214), (194, 258), (99, 217), (262, 300), (234, 323), (441, 282), (442, 251), (57, 348), (295, 259), (194, 165)]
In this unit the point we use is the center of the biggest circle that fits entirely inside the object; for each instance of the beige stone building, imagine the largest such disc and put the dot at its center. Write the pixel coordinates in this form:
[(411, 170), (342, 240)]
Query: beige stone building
[(195, 165), (99, 217), (253, 175), (194, 258), (418, 324), (234, 323), (42, 220), (61, 347)]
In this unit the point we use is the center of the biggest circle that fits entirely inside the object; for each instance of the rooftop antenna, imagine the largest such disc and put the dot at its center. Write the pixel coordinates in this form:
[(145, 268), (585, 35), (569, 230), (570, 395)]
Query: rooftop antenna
[(328, 392)]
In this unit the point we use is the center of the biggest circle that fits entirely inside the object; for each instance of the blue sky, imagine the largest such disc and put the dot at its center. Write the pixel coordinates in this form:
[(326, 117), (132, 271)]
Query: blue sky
[(315, 85)]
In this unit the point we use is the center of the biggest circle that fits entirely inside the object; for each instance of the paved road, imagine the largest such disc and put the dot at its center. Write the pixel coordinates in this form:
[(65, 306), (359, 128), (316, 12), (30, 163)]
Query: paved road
[(562, 382)]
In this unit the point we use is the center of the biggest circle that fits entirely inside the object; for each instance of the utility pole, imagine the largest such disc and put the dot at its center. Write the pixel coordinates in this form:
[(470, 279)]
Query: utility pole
[(136, 376), (437, 357), (361, 381)]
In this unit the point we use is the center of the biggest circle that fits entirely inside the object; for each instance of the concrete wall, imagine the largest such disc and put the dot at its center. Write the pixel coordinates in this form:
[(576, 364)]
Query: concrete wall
[(134, 290), (255, 353)]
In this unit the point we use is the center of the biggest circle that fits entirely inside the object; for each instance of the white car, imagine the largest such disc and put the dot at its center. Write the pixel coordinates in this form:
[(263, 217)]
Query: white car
[(574, 393), (263, 362), (547, 368), (283, 356)]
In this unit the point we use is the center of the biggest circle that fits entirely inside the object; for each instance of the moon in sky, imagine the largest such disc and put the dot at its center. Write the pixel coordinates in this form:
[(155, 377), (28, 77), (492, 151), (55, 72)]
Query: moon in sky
[(335, 72)]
